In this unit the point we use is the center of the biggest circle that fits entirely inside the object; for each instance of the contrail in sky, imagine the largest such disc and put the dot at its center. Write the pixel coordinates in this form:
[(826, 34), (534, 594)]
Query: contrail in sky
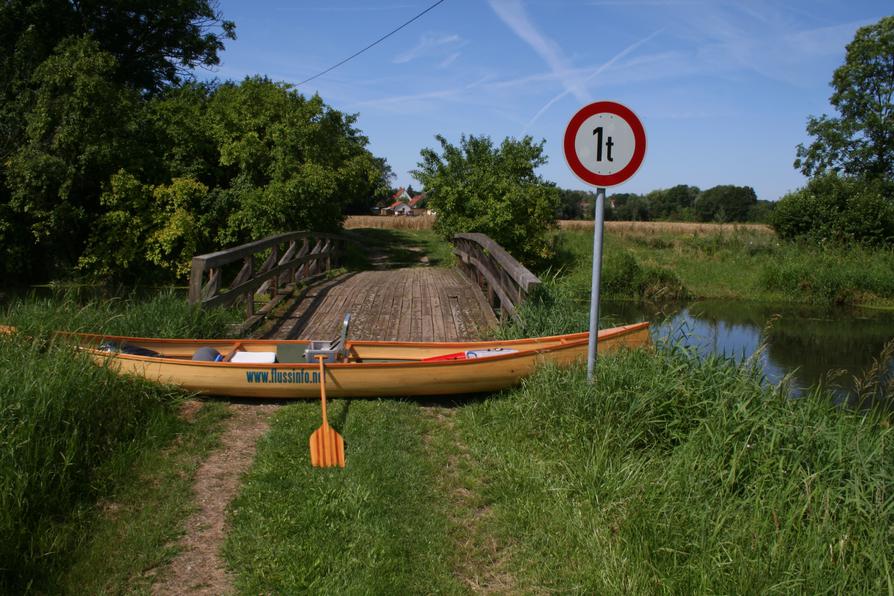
[(590, 77), (514, 15)]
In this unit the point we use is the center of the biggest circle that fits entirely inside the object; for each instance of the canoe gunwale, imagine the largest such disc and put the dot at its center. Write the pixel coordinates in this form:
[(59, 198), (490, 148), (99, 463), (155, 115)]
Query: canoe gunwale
[(565, 342)]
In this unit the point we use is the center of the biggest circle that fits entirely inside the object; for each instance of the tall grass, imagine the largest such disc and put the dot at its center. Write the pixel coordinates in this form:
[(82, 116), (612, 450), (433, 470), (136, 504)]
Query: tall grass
[(679, 475), (838, 276), (70, 428), (742, 262), (166, 314)]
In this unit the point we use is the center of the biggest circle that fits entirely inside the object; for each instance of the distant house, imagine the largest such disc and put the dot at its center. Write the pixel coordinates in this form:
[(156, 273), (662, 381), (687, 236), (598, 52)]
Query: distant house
[(400, 208), (418, 204), (401, 195), (404, 204)]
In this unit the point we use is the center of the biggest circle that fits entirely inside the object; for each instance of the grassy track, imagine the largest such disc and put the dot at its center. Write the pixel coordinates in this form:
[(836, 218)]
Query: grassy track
[(379, 526)]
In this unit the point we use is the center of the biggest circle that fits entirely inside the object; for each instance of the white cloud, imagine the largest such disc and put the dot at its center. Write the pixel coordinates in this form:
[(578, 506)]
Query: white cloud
[(431, 45)]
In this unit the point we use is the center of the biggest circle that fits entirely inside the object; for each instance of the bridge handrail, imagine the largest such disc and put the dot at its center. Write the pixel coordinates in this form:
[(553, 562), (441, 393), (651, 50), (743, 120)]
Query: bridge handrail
[(507, 281), (290, 258)]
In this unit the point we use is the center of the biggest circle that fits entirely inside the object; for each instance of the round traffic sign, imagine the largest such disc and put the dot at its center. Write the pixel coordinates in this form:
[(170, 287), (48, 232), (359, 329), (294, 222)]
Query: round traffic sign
[(605, 143)]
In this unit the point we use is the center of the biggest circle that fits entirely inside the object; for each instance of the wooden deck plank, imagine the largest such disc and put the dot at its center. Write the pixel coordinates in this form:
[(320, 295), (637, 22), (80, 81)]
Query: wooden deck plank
[(421, 303), (438, 327), (416, 306), (426, 306), (405, 313)]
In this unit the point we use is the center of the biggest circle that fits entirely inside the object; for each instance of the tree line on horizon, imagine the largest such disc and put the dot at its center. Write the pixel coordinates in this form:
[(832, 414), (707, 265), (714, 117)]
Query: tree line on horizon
[(724, 203)]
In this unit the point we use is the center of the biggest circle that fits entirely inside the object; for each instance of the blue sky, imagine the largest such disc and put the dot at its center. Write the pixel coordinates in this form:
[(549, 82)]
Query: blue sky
[(724, 89)]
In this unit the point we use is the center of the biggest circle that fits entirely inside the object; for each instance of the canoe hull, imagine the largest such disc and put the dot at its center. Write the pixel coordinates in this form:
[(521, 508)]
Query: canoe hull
[(370, 379)]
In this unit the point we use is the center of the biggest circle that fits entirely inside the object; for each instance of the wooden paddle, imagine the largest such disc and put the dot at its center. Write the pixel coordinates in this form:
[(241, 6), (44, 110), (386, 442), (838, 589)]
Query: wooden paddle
[(327, 448)]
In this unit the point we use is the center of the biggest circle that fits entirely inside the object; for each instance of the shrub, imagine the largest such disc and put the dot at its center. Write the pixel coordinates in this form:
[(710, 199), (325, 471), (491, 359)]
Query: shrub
[(835, 209)]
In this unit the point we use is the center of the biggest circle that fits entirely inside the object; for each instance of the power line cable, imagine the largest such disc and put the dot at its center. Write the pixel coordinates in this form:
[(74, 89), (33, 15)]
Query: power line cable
[(376, 42)]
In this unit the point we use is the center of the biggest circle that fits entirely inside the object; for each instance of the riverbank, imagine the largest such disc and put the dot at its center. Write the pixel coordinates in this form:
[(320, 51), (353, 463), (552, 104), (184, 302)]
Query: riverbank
[(729, 262)]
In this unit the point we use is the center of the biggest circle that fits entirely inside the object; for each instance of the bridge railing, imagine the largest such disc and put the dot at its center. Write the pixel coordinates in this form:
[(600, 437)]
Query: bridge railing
[(505, 281), (271, 266)]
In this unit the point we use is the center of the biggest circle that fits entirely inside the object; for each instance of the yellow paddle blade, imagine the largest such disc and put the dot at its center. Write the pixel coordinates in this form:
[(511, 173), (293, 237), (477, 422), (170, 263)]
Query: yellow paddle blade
[(327, 448)]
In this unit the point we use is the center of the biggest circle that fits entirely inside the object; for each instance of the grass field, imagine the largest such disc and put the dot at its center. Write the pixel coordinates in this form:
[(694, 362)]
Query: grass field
[(390, 222), (737, 262), (653, 228)]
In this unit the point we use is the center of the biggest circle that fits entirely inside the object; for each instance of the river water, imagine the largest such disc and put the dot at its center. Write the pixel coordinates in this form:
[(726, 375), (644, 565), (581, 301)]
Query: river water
[(807, 344)]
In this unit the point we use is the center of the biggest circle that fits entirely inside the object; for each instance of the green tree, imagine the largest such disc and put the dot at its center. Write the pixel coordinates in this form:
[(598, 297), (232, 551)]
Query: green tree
[(725, 203), (289, 162), (672, 203), (860, 141), (575, 204), (479, 187), (627, 206), (155, 43), (239, 161), (81, 128)]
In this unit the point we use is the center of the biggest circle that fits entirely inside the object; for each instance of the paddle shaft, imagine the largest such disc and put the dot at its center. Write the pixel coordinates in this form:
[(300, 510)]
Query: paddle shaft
[(323, 389)]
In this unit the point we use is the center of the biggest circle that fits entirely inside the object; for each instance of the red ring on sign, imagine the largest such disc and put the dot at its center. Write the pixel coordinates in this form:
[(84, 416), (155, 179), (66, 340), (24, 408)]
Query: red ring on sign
[(639, 150)]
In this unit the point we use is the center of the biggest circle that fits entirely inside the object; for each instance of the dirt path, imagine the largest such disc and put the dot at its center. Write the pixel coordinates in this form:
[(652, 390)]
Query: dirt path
[(199, 568), (481, 561)]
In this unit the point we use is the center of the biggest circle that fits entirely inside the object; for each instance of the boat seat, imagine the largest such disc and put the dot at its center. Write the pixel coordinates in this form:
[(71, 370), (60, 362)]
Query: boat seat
[(290, 353)]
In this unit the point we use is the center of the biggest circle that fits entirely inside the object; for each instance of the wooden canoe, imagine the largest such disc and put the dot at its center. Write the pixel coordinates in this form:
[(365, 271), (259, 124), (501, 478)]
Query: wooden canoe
[(372, 368)]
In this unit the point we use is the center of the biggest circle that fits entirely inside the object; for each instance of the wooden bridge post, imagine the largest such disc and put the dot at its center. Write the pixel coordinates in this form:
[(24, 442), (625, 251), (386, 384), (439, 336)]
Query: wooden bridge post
[(248, 267)]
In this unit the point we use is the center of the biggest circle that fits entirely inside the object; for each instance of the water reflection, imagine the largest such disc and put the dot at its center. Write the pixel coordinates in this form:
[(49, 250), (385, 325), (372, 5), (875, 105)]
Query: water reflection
[(807, 343)]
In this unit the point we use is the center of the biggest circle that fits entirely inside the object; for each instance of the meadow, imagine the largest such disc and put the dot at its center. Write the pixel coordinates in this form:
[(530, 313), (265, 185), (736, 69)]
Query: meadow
[(670, 473)]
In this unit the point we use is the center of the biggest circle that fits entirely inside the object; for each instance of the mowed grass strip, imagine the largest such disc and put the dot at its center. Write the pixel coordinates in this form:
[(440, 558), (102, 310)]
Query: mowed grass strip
[(673, 475), (377, 526)]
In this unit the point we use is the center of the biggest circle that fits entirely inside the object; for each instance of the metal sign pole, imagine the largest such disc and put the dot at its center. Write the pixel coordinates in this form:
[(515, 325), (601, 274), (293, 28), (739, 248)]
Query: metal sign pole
[(598, 224)]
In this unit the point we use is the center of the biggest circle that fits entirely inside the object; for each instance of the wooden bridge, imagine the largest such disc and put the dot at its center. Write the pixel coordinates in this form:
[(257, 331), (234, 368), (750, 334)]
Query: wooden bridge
[(288, 280)]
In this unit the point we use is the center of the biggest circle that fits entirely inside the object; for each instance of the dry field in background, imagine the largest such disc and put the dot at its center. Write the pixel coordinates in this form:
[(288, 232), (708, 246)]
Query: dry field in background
[(633, 228), (391, 222)]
